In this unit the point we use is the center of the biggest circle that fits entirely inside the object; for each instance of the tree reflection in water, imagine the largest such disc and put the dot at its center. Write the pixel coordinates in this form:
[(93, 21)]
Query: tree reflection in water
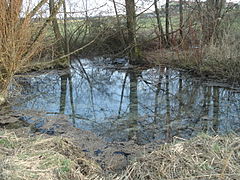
[(122, 104), (133, 107), (66, 81)]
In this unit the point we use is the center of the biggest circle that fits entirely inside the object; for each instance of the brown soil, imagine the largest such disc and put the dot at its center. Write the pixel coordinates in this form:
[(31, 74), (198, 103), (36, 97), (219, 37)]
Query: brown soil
[(113, 157)]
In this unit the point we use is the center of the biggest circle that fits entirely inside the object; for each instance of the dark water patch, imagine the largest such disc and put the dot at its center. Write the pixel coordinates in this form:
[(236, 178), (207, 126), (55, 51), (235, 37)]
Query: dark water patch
[(139, 105), (122, 153)]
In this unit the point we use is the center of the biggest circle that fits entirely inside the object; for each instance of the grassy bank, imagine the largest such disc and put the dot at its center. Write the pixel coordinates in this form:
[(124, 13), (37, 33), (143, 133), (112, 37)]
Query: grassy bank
[(43, 157)]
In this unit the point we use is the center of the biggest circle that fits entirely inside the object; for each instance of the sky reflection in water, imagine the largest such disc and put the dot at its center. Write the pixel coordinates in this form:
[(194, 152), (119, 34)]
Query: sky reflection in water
[(120, 105)]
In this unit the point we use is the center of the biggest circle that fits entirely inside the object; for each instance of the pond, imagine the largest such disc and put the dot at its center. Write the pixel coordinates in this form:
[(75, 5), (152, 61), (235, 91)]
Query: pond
[(122, 103)]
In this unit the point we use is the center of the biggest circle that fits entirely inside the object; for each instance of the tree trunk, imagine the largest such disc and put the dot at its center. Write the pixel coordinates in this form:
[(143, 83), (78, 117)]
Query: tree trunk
[(62, 42), (159, 24), (167, 23), (55, 26), (131, 26), (66, 40), (181, 18)]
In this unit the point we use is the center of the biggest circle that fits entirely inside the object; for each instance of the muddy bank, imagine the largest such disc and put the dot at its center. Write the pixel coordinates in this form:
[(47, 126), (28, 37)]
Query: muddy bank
[(112, 157)]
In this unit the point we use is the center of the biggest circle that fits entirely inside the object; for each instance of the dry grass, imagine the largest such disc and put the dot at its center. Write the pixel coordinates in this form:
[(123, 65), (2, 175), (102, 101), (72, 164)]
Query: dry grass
[(43, 158), (203, 157)]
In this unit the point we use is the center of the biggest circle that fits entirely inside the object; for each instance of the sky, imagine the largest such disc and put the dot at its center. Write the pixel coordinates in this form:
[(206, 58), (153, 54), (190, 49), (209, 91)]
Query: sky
[(101, 7)]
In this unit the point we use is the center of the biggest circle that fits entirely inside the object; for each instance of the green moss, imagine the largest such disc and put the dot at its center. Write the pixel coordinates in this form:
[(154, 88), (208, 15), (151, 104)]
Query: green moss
[(6, 143), (216, 148), (206, 166), (65, 165)]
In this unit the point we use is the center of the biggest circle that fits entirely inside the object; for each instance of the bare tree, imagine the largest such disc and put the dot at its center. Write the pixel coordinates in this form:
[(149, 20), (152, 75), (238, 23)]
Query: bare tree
[(211, 16), (20, 40)]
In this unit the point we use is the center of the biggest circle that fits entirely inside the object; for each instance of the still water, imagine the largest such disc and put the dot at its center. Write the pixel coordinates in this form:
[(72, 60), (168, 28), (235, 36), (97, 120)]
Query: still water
[(123, 104)]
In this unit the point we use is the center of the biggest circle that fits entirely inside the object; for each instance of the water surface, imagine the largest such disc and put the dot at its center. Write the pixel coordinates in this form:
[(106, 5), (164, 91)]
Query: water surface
[(143, 105)]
